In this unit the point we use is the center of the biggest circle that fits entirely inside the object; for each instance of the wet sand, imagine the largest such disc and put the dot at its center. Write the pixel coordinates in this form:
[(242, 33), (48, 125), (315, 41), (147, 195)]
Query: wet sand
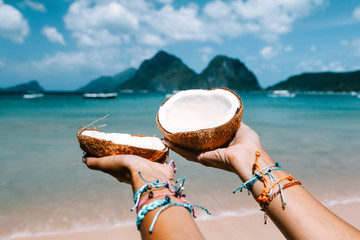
[(248, 227)]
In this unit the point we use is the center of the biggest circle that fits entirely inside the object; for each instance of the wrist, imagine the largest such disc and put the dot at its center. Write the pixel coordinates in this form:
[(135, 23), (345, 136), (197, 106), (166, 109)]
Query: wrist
[(247, 170), (243, 161), (138, 180)]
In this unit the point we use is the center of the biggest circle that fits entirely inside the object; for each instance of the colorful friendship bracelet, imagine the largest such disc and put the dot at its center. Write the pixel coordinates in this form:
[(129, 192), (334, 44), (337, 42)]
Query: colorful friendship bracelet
[(176, 191), (164, 203), (151, 185), (146, 187), (257, 176), (266, 194)]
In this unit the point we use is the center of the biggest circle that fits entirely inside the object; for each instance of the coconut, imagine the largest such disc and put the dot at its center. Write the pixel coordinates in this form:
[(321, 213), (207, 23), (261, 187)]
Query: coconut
[(101, 144), (200, 119)]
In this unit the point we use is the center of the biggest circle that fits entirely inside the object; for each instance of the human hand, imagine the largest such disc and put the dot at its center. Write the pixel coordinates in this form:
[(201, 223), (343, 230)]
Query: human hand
[(237, 157), (126, 168)]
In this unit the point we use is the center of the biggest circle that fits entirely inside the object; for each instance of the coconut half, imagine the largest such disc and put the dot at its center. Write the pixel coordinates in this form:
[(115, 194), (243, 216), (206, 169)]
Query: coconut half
[(200, 119), (101, 144)]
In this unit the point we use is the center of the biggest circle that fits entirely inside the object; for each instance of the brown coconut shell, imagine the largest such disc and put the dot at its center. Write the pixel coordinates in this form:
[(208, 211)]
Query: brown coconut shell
[(102, 148), (206, 139)]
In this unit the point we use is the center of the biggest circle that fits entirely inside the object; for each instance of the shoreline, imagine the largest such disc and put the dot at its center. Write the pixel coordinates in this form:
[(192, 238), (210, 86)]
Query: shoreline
[(231, 226)]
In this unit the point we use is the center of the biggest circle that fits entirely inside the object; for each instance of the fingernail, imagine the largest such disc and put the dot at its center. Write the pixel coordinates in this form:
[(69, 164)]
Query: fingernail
[(83, 159), (166, 142)]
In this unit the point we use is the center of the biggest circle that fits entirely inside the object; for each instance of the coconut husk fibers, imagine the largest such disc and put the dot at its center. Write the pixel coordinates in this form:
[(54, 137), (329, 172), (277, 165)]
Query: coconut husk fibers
[(206, 139), (102, 148)]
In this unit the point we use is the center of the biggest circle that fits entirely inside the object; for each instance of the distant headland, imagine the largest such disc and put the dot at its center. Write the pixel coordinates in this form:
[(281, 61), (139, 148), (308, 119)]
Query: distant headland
[(165, 72)]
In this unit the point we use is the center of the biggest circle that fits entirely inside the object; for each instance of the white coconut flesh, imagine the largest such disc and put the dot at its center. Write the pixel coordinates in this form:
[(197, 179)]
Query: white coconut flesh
[(126, 139), (194, 110)]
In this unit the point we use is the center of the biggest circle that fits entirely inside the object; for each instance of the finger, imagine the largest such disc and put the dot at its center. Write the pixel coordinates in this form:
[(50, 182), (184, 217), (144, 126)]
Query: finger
[(164, 158), (189, 155), (104, 163), (214, 155)]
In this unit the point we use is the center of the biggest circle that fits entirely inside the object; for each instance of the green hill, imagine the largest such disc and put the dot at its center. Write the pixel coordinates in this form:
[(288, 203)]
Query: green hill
[(326, 81), (31, 86), (107, 83), (165, 72)]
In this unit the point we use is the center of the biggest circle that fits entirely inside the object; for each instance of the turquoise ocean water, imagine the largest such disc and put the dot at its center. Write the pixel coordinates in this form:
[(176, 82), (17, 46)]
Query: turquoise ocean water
[(314, 137)]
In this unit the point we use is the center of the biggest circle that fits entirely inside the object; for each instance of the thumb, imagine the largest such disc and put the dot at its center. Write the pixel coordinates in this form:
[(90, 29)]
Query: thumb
[(189, 155), (101, 164)]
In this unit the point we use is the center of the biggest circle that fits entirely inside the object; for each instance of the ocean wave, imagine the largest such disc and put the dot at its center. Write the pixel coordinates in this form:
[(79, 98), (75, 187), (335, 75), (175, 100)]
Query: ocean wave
[(345, 201), (224, 214), (202, 217), (61, 232)]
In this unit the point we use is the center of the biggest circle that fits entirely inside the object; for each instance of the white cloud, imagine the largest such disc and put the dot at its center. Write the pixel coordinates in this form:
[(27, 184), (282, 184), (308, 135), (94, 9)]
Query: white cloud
[(205, 52), (97, 23), (217, 9), (36, 6), (288, 48), (268, 52), (78, 61), (179, 25), (151, 39), (100, 24), (313, 48), (356, 13), (12, 24), (336, 66), (273, 17), (354, 44), (318, 65), (70, 70), (53, 35)]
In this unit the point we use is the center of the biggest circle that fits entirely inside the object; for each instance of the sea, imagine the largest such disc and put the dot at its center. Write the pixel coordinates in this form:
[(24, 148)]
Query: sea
[(45, 190)]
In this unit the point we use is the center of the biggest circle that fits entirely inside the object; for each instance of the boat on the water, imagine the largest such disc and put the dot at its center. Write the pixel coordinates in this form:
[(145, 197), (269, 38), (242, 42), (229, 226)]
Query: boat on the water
[(100, 95), (127, 91), (33, 95), (282, 93)]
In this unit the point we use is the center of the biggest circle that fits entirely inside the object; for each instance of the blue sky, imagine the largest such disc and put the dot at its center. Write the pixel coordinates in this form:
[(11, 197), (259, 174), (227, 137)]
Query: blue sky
[(64, 44)]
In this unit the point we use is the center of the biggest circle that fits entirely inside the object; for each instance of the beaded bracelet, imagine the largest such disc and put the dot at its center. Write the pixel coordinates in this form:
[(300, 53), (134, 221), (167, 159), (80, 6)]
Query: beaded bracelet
[(147, 187), (151, 185), (176, 191), (164, 203)]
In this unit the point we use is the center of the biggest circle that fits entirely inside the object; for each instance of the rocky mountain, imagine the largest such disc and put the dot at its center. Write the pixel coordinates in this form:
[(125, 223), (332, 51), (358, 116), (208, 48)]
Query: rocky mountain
[(162, 73), (31, 86), (223, 71), (324, 81), (165, 72), (108, 83)]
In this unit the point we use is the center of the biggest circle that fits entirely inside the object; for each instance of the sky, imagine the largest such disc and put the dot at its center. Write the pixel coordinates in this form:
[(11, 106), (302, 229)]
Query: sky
[(65, 44)]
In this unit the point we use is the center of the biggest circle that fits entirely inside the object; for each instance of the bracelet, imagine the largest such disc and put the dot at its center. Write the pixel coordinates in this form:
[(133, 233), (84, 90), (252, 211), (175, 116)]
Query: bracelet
[(266, 195), (176, 191), (151, 185), (146, 187), (163, 204)]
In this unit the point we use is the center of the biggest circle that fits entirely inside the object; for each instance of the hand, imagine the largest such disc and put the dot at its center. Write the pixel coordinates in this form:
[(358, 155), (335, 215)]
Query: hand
[(126, 168), (237, 157)]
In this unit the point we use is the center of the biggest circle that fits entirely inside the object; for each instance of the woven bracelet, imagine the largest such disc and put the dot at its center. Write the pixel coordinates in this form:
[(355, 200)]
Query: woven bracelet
[(164, 203), (266, 194)]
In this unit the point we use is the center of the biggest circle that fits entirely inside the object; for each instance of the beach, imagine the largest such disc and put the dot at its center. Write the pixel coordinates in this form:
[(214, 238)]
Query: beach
[(230, 227), (47, 194)]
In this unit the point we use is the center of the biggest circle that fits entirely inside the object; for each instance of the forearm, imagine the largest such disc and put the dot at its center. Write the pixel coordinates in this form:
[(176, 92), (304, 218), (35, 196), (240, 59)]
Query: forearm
[(302, 217), (175, 222)]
